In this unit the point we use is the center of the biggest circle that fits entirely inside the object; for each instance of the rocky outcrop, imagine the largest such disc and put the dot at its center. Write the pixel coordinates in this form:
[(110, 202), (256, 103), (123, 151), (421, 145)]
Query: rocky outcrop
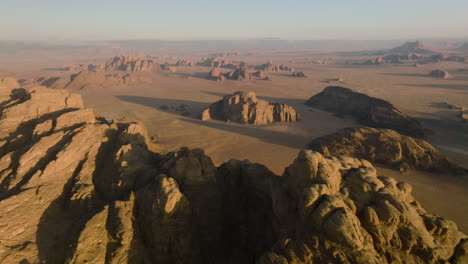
[(439, 74), (88, 80), (239, 74), (269, 66), (215, 75), (298, 74), (385, 146), (128, 63), (245, 108), (184, 63), (167, 67), (368, 110), (216, 62), (417, 47), (75, 188), (340, 211)]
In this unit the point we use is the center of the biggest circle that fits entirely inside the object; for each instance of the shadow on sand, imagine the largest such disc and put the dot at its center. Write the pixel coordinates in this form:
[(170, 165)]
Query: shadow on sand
[(195, 108)]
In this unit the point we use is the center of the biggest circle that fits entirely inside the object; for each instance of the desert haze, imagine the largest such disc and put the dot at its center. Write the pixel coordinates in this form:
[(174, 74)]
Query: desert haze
[(236, 150)]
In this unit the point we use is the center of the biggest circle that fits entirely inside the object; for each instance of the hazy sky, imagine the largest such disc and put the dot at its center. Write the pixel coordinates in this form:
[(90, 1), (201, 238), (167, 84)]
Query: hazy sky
[(233, 19)]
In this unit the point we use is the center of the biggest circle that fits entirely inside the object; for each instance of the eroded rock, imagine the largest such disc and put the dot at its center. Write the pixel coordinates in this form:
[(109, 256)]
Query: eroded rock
[(245, 108), (367, 110)]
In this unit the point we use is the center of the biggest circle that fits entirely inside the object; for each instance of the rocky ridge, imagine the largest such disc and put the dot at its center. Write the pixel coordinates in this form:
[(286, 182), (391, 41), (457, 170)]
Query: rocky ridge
[(385, 146), (367, 110), (128, 63), (88, 80), (76, 188), (246, 108)]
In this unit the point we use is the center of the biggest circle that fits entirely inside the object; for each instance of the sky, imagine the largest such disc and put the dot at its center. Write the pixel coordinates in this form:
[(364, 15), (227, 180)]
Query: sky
[(233, 19)]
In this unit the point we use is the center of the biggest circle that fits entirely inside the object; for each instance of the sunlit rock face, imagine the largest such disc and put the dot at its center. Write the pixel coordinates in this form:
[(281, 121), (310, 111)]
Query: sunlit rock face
[(75, 188), (246, 108)]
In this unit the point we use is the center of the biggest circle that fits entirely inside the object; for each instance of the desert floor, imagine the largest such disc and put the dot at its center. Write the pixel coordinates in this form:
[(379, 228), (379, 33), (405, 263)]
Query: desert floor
[(409, 88)]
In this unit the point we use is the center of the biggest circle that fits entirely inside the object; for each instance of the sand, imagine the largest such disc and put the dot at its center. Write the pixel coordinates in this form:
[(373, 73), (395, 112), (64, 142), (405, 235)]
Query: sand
[(409, 88)]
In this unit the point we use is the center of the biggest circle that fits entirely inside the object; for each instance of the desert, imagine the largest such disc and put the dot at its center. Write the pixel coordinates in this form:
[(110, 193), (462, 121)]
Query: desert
[(268, 151)]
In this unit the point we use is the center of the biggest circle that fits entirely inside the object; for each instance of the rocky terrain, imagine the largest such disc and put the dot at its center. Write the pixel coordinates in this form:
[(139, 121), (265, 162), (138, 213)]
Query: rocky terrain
[(246, 108), (298, 74), (387, 147), (439, 74), (417, 47), (167, 67), (184, 63), (216, 62), (128, 63), (367, 110), (76, 188), (269, 66), (239, 74), (87, 80)]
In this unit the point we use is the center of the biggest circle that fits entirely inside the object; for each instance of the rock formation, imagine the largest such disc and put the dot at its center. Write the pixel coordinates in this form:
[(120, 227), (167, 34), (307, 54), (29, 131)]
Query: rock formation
[(128, 63), (215, 75), (269, 66), (87, 80), (167, 67), (78, 189), (439, 74), (245, 108), (368, 110), (239, 74), (417, 47), (184, 63), (298, 74), (216, 62), (385, 146)]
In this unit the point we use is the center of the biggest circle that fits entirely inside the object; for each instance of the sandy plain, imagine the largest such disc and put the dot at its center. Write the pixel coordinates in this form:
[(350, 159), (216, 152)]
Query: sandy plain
[(409, 88)]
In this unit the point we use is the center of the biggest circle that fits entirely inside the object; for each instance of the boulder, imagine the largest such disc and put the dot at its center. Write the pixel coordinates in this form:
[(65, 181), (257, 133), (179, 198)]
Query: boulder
[(367, 110), (245, 108), (298, 74), (439, 74)]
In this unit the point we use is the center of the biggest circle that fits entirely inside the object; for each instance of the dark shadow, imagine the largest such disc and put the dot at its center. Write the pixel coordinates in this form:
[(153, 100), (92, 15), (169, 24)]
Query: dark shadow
[(458, 87), (199, 75), (173, 106)]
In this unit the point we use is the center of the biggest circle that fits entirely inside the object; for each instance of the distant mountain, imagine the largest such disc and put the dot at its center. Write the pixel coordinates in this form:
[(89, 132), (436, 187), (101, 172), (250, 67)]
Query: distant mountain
[(413, 47), (463, 47)]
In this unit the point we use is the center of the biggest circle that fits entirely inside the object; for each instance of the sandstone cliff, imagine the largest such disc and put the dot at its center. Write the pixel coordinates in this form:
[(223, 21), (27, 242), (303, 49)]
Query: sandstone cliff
[(245, 108), (367, 110), (128, 63), (75, 188)]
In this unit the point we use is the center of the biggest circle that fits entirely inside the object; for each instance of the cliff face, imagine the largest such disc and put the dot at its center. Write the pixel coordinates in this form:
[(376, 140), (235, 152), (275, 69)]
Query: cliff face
[(75, 188), (367, 110), (128, 63), (245, 108)]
